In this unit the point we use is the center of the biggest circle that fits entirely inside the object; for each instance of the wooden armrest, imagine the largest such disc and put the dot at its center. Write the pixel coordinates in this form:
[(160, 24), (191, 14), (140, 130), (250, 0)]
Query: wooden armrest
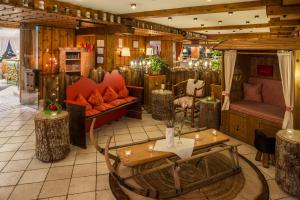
[(179, 84)]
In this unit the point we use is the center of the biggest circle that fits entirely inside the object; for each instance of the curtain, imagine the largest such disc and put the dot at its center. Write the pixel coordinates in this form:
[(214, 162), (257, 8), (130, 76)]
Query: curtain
[(229, 64), (286, 66)]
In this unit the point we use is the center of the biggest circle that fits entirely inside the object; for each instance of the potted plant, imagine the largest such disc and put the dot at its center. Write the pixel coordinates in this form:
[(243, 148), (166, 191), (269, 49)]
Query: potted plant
[(156, 64)]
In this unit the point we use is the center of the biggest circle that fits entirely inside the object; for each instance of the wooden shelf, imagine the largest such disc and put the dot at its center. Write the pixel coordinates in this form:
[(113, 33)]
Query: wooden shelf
[(73, 59)]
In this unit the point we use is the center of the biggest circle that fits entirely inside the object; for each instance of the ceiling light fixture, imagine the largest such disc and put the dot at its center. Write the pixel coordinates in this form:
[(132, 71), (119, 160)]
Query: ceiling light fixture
[(202, 24), (195, 19), (133, 6), (220, 22), (247, 22), (256, 16), (230, 13), (170, 18)]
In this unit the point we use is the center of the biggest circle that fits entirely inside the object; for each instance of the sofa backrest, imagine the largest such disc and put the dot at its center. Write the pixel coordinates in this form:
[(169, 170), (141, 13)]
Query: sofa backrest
[(272, 92), (86, 86)]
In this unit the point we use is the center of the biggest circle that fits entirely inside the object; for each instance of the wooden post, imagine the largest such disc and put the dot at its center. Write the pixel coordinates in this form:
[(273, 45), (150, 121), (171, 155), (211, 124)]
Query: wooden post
[(297, 91)]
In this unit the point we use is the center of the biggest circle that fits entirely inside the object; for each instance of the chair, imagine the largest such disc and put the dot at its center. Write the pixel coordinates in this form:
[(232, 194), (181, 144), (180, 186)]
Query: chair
[(265, 148), (187, 95)]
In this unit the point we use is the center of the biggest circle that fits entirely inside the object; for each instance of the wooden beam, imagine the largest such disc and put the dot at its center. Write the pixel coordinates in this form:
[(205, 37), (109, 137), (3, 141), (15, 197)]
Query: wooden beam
[(105, 30), (290, 2), (283, 11), (282, 29), (241, 6), (272, 23), (222, 37)]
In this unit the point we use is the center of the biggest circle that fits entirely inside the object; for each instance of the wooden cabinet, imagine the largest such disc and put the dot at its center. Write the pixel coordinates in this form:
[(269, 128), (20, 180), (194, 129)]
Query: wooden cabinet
[(151, 82), (242, 126), (70, 60)]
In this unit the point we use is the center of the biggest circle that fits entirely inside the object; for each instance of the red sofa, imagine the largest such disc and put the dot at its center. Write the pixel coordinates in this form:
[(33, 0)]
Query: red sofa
[(80, 118)]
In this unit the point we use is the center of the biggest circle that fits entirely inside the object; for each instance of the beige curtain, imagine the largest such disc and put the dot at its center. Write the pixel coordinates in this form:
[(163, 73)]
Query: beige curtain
[(229, 64), (286, 65)]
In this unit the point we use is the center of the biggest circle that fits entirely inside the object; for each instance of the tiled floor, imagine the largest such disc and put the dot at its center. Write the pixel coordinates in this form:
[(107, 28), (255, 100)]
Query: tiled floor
[(83, 174)]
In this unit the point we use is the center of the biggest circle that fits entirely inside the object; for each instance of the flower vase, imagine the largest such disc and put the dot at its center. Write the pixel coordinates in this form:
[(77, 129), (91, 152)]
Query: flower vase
[(170, 137)]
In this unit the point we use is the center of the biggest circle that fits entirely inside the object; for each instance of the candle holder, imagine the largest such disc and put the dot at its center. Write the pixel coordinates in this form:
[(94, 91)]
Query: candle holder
[(150, 147), (197, 136), (214, 132), (128, 152)]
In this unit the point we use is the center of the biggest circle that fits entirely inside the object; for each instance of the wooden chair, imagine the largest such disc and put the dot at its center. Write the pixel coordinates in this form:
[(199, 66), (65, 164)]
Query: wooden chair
[(187, 94)]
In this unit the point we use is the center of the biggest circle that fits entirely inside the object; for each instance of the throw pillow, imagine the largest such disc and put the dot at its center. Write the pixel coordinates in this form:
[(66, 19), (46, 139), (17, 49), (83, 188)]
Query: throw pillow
[(253, 92), (123, 93), (110, 94), (96, 98), (82, 100)]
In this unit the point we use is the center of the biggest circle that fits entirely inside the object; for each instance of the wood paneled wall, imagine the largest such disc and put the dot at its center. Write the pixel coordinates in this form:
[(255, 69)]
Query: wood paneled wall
[(50, 39), (297, 91)]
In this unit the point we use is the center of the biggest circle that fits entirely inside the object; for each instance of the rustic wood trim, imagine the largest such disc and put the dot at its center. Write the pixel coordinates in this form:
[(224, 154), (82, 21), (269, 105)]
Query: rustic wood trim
[(283, 11), (297, 91)]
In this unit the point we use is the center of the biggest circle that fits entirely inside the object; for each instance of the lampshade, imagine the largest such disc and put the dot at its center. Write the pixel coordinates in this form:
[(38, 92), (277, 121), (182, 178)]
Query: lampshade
[(125, 52), (149, 52)]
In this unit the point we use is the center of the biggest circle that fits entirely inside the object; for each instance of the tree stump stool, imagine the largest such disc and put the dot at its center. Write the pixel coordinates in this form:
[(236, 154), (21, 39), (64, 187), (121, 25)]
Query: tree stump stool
[(162, 104), (210, 112), (52, 136), (288, 161)]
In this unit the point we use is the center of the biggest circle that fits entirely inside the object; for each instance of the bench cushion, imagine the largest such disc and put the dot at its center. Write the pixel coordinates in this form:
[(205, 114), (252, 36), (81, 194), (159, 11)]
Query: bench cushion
[(103, 107), (261, 110), (91, 112)]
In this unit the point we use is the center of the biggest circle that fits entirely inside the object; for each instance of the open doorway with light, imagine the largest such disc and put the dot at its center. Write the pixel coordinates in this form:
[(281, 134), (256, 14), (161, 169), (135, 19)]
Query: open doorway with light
[(9, 68)]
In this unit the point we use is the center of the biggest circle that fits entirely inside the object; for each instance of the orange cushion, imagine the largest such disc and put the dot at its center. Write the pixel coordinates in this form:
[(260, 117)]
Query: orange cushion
[(128, 99), (91, 112), (123, 93), (110, 95), (80, 99), (118, 102), (103, 107), (96, 98)]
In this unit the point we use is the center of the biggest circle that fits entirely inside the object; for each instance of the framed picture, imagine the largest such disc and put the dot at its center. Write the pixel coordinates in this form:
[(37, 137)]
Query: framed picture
[(120, 44), (135, 44), (99, 60), (100, 51), (100, 43), (265, 70)]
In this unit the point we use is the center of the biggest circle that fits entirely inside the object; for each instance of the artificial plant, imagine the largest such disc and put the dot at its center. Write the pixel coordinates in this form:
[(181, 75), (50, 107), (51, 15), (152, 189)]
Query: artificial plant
[(157, 64)]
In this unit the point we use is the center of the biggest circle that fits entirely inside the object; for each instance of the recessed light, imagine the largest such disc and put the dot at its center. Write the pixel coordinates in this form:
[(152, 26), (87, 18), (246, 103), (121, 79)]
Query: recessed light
[(170, 18), (206, 31), (247, 22), (133, 6), (233, 31), (208, 0), (230, 13), (219, 32), (251, 31), (202, 24), (220, 22), (256, 16), (195, 19)]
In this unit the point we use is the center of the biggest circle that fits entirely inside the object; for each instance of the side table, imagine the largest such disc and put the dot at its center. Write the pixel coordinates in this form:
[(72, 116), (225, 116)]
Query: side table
[(210, 113), (161, 100), (288, 161), (52, 136)]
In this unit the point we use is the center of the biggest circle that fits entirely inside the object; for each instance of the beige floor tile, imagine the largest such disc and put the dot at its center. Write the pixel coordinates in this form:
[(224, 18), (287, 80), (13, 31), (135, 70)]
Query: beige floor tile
[(103, 182), (16, 165), (82, 184), (34, 176), (17, 139), (58, 198), (139, 136), (5, 192), (2, 165), (37, 164), (251, 157), (84, 170), (3, 140), (12, 128), (27, 154), (151, 128), (55, 188), (84, 158), (27, 146), (26, 191), (6, 156), (121, 138), (275, 190), (10, 147), (69, 160), (289, 198), (7, 133), (269, 171), (90, 149), (136, 129), (246, 149), (59, 173), (23, 132), (121, 131), (10, 178), (104, 195), (102, 168), (154, 134), (83, 196)]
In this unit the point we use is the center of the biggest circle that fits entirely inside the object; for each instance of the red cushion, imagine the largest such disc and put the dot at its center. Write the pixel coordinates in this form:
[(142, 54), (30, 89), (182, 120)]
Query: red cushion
[(91, 112), (123, 93), (118, 102), (110, 95), (96, 98), (128, 99), (252, 92), (80, 99), (104, 107)]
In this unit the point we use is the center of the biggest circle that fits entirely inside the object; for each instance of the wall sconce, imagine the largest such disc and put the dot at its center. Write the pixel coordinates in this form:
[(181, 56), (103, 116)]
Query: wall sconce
[(149, 52), (125, 52)]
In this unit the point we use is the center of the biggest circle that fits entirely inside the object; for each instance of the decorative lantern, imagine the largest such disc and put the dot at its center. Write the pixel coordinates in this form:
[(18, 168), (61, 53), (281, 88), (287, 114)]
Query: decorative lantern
[(88, 14), (104, 16), (78, 13)]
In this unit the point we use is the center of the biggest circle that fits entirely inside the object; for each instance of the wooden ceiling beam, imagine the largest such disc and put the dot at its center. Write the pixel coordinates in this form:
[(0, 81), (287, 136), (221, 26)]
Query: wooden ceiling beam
[(288, 12), (282, 29), (105, 30), (241, 6), (272, 23), (243, 36)]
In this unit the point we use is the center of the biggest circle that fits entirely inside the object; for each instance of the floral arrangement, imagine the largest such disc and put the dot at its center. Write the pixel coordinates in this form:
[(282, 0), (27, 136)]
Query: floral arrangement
[(52, 108)]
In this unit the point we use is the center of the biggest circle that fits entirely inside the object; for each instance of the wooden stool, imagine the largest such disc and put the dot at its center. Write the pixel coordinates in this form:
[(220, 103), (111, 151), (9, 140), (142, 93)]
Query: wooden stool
[(265, 148)]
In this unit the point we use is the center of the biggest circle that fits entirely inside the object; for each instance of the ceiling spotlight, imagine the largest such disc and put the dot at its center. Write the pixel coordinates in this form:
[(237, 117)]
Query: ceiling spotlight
[(233, 31), (195, 19), (206, 31), (220, 22), (251, 31), (219, 32), (256, 16), (208, 0), (230, 13), (247, 22), (133, 6), (202, 24), (170, 18)]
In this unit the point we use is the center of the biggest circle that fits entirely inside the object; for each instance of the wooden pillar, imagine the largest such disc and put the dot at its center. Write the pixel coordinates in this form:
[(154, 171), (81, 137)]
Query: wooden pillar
[(297, 91)]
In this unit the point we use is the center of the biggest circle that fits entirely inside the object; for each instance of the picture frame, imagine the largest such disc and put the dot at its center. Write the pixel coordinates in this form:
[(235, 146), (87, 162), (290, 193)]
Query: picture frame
[(100, 60), (100, 50), (120, 43), (100, 43), (135, 44)]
